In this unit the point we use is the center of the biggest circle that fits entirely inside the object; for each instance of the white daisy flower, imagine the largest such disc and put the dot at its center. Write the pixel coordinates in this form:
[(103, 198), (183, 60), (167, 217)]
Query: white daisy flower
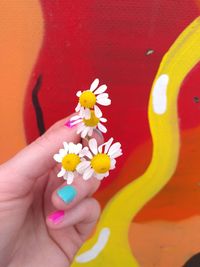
[(100, 159), (87, 126), (89, 98), (70, 156)]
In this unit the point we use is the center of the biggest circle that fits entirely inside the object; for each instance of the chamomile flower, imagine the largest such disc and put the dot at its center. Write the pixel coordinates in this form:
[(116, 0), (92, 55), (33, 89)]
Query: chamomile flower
[(89, 99), (70, 156), (101, 159), (87, 126)]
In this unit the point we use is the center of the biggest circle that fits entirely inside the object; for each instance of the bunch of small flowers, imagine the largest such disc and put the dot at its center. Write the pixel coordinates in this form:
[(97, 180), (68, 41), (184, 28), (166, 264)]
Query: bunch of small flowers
[(92, 160)]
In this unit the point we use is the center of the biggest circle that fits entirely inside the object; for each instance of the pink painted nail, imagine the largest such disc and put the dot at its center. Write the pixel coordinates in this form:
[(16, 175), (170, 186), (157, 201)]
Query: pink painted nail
[(56, 217), (71, 123)]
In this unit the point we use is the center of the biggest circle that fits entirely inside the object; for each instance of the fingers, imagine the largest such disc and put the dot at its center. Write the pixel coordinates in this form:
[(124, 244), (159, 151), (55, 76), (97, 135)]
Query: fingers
[(37, 158), (67, 196), (71, 228), (86, 213)]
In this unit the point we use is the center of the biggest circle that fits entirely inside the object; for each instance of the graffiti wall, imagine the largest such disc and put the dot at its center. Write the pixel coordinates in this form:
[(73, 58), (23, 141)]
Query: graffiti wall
[(148, 54)]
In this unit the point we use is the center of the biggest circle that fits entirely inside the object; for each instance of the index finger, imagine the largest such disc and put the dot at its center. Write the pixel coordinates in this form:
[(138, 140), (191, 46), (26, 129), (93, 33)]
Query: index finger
[(37, 158)]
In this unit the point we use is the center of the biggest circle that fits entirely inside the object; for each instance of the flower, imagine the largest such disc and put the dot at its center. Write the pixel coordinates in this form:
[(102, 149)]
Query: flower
[(69, 157), (100, 160), (89, 98), (87, 126)]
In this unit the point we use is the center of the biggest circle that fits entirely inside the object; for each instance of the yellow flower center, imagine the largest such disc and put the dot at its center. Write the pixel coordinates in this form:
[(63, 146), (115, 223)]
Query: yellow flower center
[(87, 99), (93, 121), (70, 162), (101, 163)]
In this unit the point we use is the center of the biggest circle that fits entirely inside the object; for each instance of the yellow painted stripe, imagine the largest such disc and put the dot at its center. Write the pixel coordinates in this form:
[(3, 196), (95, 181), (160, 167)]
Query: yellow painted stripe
[(21, 35), (119, 212)]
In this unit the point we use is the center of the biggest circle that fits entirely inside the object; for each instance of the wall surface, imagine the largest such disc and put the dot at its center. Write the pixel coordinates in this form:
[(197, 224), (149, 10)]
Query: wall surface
[(148, 54)]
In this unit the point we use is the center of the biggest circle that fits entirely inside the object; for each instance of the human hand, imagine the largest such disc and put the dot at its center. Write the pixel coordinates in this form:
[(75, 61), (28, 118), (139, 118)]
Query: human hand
[(37, 226)]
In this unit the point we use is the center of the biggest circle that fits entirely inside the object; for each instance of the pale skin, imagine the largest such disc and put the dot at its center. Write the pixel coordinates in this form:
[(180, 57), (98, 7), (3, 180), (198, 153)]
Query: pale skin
[(28, 195)]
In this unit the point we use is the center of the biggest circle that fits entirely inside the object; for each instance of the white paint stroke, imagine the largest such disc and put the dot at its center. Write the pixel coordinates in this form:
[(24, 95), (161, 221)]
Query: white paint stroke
[(160, 94), (96, 249)]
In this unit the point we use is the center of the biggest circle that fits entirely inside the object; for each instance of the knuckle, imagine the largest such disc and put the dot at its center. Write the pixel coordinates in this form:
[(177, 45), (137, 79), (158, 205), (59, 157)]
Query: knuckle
[(94, 208)]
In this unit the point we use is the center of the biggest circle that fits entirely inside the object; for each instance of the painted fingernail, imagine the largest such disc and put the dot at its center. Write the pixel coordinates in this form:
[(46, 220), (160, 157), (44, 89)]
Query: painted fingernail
[(69, 124), (56, 217), (72, 122), (67, 193)]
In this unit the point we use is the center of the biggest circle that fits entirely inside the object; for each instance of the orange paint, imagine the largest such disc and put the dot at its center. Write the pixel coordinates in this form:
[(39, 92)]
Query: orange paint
[(181, 196), (21, 35), (197, 3), (165, 244)]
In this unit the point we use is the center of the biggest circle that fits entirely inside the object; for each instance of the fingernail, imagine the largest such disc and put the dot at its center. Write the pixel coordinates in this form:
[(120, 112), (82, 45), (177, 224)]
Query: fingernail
[(99, 133), (67, 193), (56, 216), (71, 123)]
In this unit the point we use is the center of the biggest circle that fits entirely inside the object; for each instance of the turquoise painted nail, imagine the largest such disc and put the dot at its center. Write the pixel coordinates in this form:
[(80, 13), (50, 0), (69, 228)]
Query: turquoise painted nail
[(67, 193)]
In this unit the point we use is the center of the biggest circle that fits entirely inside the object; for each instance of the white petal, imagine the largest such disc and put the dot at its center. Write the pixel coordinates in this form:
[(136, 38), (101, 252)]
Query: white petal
[(74, 118), (65, 144), (101, 89), (62, 152), (106, 174), (61, 173), (65, 176), (104, 102), (87, 114), (97, 111), (57, 157), (82, 112), (71, 147), (113, 163), (78, 148), (114, 148), (94, 85), (93, 145), (88, 154), (88, 174), (107, 145), (116, 155), (78, 107), (70, 177), (103, 119), (84, 151), (82, 166), (102, 128), (112, 167), (102, 96), (90, 131), (79, 93), (73, 123), (99, 176), (100, 148), (85, 132), (81, 127)]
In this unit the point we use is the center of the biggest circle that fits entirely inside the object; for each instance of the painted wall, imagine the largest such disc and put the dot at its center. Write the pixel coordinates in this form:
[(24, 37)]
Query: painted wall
[(147, 53)]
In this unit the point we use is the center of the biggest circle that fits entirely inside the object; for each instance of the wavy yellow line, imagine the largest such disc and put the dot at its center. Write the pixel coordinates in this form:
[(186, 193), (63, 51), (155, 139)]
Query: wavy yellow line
[(112, 230)]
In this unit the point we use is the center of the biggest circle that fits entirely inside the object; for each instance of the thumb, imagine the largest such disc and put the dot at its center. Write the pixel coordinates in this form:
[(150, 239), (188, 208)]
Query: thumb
[(37, 158)]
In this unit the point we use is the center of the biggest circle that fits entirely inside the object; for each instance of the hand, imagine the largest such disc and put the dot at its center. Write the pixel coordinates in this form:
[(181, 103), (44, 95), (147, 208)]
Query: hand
[(41, 225)]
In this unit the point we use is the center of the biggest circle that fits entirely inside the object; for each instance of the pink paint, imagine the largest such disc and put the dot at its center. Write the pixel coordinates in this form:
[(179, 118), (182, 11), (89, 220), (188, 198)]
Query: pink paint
[(69, 124), (72, 123), (56, 217)]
